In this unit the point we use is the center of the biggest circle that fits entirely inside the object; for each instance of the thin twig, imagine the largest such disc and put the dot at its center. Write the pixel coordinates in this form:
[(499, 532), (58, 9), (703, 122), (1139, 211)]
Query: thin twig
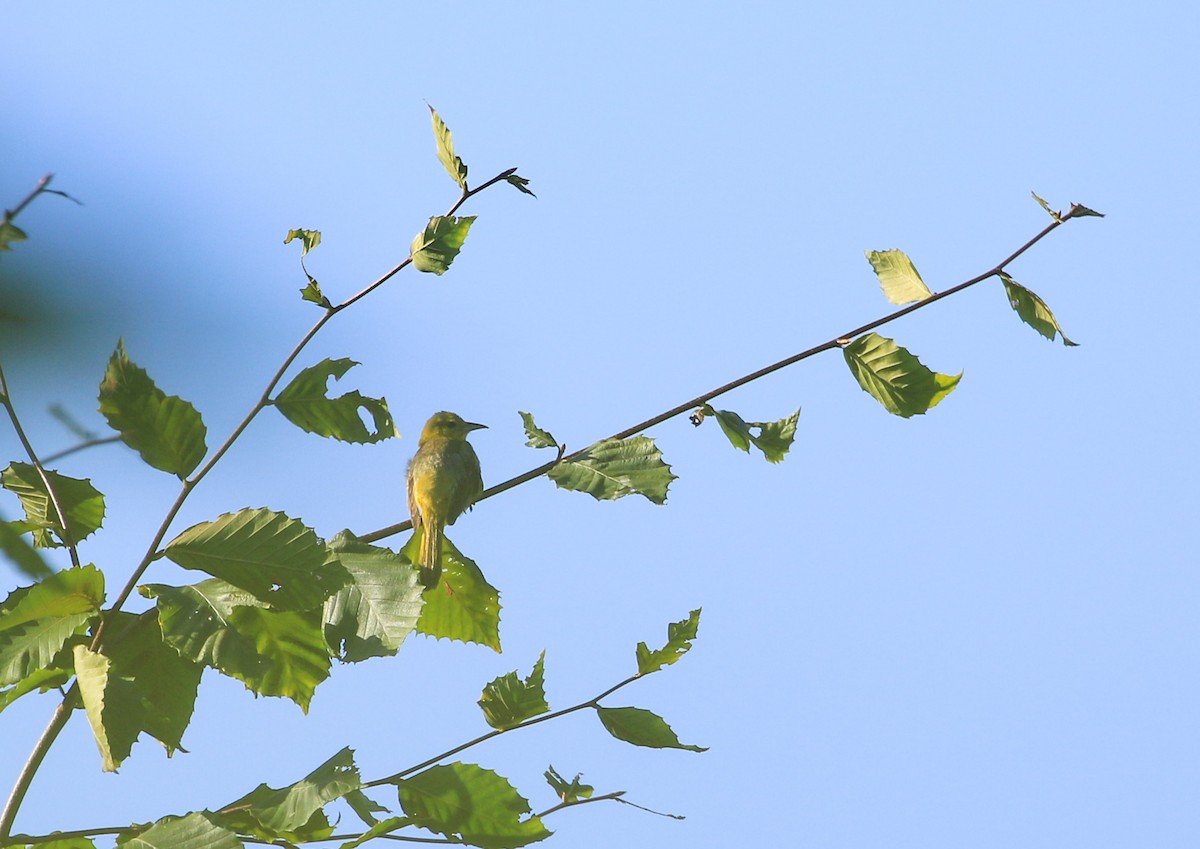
[(700, 400), (593, 702), (58, 721), (87, 443)]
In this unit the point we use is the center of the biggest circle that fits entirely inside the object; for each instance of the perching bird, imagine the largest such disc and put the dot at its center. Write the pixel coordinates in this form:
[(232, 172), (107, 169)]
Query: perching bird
[(443, 481)]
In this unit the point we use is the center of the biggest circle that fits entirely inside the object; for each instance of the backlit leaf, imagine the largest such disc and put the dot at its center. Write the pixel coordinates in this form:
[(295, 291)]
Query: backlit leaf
[(774, 439), (895, 377), (1033, 310), (293, 642), (445, 150), (21, 552), (309, 239), (463, 606), (83, 503), (898, 277), (371, 615), (277, 558), (641, 728), (435, 247), (306, 404), (614, 468), (508, 700), (568, 791), (537, 437), (164, 429), (470, 804), (37, 621), (194, 831), (679, 642)]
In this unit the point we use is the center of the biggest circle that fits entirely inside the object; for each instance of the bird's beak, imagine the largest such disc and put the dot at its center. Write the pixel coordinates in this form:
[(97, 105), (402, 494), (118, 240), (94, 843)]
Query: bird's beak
[(473, 426)]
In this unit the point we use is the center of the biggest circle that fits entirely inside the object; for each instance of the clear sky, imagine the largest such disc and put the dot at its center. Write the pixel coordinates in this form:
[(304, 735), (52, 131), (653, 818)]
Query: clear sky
[(973, 628)]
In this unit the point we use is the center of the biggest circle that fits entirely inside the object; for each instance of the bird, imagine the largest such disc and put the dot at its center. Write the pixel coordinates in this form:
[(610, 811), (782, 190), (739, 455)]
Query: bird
[(444, 481)]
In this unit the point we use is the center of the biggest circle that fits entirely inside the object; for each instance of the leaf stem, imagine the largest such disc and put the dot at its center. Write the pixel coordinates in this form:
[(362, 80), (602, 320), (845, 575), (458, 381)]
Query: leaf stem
[(700, 400)]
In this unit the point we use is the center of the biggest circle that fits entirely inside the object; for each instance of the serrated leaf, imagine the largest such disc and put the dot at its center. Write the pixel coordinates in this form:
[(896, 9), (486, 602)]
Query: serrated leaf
[(435, 247), (135, 683), (898, 277), (312, 293), (679, 642), (37, 621), (42, 680), (1055, 215), (309, 239), (468, 803), (508, 700), (445, 150), (164, 429), (294, 642), (521, 183), (304, 403), (293, 813), (82, 502), (277, 558), (10, 233), (194, 831), (614, 468), (568, 791), (537, 438), (1078, 210), (1033, 310), (641, 728), (371, 615), (895, 377), (274, 653), (21, 552), (463, 606), (774, 439)]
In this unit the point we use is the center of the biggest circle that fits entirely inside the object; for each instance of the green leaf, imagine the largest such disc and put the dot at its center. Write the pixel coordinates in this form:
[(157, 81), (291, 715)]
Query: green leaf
[(166, 430), (312, 293), (386, 826), (1057, 216), (614, 468), (64, 843), (1080, 211), (45, 679), (274, 653), (305, 404), (83, 503), (10, 233), (568, 791), (508, 700), (521, 183), (445, 151), (37, 621), (194, 831), (364, 807), (896, 378), (641, 728), (294, 643), (293, 813), (679, 642), (26, 558), (774, 439), (468, 803), (898, 277), (1033, 310), (538, 438), (435, 247), (463, 606), (135, 683), (309, 239), (371, 615), (277, 558)]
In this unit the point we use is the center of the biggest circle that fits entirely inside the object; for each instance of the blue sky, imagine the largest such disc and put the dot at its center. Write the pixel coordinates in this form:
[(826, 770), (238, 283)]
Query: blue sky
[(976, 627)]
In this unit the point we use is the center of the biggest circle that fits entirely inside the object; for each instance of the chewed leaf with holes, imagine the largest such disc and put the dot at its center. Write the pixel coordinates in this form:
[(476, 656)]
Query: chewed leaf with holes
[(306, 403)]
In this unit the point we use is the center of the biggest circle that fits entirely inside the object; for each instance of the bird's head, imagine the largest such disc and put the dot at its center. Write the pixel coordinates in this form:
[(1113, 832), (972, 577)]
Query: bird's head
[(448, 426)]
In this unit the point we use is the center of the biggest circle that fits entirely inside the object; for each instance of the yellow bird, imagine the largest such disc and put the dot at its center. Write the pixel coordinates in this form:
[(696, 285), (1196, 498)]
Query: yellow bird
[(443, 482)]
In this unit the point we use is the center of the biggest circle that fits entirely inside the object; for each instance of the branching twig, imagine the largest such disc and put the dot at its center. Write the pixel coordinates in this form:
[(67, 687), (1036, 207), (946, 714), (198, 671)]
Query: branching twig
[(700, 400)]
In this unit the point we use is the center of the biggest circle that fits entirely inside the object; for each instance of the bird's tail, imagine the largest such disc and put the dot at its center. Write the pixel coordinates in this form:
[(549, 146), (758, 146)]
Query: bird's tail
[(431, 555)]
